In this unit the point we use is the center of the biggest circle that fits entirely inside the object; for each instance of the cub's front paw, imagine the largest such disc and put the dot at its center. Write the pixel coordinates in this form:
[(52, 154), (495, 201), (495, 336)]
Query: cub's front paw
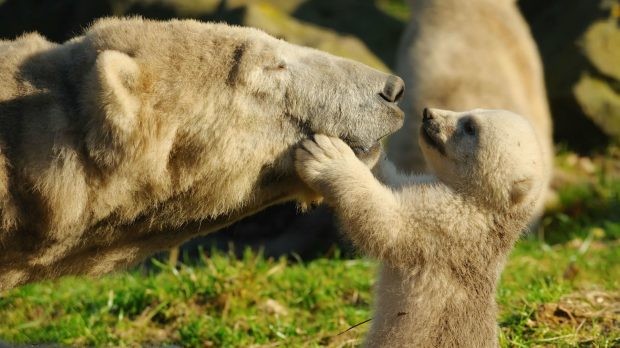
[(323, 160)]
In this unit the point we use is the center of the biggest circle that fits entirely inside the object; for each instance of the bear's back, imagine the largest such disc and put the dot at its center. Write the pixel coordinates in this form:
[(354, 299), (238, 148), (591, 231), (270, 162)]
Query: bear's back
[(14, 55)]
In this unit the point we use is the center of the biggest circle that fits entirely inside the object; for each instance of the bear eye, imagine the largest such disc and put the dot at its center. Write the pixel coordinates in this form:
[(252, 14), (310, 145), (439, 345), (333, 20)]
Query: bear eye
[(279, 66), (469, 127)]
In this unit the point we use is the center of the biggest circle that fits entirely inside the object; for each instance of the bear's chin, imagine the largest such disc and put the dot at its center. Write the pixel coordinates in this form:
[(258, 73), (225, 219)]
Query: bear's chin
[(370, 155)]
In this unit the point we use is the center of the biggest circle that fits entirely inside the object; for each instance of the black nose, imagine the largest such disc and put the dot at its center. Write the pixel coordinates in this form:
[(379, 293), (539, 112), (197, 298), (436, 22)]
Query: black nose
[(393, 89), (427, 114)]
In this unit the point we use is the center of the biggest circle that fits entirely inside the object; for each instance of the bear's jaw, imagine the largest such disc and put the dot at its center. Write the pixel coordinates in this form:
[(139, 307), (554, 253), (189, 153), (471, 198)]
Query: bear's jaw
[(363, 150), (370, 155), (360, 148)]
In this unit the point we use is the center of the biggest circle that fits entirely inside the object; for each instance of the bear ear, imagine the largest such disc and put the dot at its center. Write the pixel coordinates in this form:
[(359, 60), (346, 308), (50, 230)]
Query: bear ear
[(520, 189), (117, 77), (116, 102)]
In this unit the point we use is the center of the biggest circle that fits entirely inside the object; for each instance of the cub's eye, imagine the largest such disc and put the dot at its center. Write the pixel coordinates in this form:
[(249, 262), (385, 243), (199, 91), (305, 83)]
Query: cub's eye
[(469, 127)]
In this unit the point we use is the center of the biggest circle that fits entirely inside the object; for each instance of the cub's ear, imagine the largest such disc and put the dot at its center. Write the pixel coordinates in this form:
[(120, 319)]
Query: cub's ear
[(113, 102), (520, 189)]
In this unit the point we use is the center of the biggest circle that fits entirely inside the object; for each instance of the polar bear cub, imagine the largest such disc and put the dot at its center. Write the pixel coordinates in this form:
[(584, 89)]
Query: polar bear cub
[(442, 239)]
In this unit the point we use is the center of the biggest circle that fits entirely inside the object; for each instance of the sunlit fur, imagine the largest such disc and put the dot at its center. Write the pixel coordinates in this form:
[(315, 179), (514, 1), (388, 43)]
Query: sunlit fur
[(141, 134), (460, 55), (442, 239)]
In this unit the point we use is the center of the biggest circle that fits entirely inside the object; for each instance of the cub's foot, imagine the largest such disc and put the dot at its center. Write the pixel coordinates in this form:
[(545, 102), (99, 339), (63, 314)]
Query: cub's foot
[(324, 160)]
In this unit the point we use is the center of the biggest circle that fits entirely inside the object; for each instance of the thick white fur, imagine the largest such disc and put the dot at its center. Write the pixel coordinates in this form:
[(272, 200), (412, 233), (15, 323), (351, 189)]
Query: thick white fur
[(459, 55), (442, 240), (141, 134)]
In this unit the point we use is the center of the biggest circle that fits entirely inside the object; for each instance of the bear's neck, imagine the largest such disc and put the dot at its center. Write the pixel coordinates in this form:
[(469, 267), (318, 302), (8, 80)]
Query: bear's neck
[(425, 308)]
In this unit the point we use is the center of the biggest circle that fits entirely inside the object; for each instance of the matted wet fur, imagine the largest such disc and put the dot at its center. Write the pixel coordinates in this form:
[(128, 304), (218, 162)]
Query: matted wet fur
[(141, 134), (443, 239)]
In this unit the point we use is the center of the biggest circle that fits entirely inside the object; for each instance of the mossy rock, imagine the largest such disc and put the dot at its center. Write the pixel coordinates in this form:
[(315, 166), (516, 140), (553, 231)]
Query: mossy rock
[(280, 24), (286, 6), (598, 92), (570, 49), (601, 103), (182, 8), (601, 44)]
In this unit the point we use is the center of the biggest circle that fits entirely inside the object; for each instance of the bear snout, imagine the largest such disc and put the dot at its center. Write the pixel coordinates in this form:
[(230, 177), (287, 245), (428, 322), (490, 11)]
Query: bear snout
[(393, 89), (430, 123)]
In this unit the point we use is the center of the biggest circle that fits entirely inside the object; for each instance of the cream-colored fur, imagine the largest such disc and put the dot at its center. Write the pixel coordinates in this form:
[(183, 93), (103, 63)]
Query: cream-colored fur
[(460, 55), (141, 134), (442, 239)]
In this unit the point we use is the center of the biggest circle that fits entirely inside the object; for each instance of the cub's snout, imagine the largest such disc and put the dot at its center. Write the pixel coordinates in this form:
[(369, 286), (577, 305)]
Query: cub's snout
[(431, 130)]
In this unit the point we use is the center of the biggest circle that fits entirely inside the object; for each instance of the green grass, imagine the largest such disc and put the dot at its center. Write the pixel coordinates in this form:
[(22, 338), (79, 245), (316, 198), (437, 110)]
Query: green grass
[(224, 301), (560, 287), (254, 301)]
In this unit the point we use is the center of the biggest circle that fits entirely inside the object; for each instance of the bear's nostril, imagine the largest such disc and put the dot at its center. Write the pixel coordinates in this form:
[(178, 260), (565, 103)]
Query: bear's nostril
[(393, 90), (400, 93), (385, 97)]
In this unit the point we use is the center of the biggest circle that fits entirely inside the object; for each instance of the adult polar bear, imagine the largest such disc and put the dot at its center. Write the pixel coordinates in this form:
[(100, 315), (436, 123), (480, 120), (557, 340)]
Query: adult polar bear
[(462, 55), (141, 134)]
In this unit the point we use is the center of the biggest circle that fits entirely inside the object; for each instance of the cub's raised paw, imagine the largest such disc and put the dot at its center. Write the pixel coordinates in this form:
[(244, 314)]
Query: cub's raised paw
[(322, 159)]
